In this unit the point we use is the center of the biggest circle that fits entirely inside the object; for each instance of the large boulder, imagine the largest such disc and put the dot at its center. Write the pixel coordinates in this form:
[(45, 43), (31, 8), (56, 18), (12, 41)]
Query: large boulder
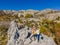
[(22, 34)]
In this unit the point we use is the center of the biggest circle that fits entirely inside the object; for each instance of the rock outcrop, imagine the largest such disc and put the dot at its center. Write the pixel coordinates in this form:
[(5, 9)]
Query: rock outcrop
[(22, 34)]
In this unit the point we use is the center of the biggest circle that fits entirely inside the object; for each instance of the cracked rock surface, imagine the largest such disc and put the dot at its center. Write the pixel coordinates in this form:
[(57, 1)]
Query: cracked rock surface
[(22, 34)]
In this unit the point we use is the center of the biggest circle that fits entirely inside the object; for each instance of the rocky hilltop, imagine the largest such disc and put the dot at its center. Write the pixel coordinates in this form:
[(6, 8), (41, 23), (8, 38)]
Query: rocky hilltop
[(47, 20), (48, 13), (22, 34)]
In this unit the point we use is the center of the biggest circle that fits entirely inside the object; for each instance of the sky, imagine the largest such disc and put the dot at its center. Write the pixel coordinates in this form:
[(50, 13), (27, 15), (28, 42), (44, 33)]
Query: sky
[(29, 4)]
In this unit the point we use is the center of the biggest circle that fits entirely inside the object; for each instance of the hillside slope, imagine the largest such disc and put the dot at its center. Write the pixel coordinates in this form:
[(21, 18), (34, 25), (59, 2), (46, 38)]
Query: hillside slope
[(22, 34)]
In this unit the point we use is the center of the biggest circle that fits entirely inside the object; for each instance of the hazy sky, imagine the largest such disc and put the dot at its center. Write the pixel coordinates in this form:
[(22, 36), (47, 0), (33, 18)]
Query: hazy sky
[(29, 4)]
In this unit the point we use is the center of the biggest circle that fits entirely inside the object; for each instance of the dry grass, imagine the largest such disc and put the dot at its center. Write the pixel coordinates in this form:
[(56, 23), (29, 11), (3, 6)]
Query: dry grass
[(51, 28), (48, 28), (3, 36)]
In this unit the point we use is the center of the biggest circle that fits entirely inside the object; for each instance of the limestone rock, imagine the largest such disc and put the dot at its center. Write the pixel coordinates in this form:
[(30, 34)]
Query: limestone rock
[(22, 34)]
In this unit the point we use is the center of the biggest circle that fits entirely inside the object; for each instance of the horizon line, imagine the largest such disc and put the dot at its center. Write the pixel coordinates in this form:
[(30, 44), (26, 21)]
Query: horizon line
[(30, 9)]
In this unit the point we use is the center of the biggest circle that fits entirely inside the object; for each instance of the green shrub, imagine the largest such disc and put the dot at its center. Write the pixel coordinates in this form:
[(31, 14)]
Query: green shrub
[(28, 16)]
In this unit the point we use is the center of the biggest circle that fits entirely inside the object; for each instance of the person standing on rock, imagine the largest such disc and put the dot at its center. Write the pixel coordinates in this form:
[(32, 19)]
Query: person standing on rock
[(28, 31), (35, 33), (38, 34), (16, 35)]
